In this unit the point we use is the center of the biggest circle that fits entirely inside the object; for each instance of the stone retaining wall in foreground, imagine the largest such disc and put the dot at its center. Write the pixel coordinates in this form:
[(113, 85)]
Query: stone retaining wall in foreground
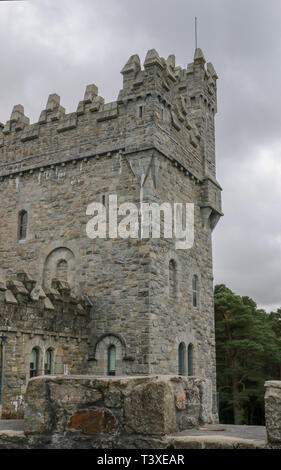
[(115, 412)]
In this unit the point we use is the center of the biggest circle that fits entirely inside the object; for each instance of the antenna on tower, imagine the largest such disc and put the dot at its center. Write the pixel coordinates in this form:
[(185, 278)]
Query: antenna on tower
[(196, 36)]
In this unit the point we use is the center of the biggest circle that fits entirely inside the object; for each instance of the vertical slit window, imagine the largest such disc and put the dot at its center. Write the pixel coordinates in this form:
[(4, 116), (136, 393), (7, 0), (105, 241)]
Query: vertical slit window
[(181, 359), (22, 225), (172, 278), (48, 362), (190, 360), (140, 112), (111, 360), (195, 293), (34, 362)]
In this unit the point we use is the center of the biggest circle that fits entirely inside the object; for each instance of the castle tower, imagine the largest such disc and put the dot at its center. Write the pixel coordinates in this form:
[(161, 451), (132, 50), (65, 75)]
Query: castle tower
[(151, 303)]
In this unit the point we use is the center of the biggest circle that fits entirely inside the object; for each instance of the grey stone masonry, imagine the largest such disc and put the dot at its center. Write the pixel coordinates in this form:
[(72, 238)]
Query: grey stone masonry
[(103, 412), (273, 413), (54, 320), (154, 144)]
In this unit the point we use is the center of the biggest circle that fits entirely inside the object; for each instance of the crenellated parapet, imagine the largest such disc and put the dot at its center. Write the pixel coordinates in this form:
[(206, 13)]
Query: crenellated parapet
[(25, 304), (161, 105)]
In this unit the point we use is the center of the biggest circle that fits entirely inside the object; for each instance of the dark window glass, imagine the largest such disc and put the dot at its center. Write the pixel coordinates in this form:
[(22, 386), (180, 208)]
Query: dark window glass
[(22, 230), (48, 362), (181, 353), (190, 359), (172, 278), (111, 360), (140, 112), (195, 291), (34, 362)]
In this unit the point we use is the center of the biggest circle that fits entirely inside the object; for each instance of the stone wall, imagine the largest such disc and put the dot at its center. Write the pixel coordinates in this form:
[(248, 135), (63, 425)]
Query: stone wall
[(54, 320), (124, 412), (273, 413)]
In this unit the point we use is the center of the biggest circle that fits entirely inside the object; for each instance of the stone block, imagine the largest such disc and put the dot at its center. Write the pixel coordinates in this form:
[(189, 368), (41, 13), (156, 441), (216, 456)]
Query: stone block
[(273, 412), (120, 406), (150, 409)]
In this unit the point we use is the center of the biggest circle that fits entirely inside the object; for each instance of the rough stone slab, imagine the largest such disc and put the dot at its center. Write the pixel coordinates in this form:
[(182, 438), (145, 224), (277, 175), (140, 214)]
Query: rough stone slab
[(213, 442), (11, 425), (220, 436), (273, 412), (115, 406), (10, 298), (273, 384)]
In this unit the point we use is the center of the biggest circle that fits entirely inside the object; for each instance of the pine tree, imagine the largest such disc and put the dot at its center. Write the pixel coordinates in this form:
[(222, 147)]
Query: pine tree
[(247, 355)]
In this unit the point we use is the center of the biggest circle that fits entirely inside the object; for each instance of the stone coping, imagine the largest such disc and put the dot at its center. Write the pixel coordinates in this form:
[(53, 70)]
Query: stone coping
[(273, 383)]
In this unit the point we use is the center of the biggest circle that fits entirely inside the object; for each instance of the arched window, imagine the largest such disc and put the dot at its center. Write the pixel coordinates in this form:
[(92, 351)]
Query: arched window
[(190, 360), (195, 291), (22, 225), (172, 278), (34, 362), (62, 270), (181, 358), (111, 360), (48, 361)]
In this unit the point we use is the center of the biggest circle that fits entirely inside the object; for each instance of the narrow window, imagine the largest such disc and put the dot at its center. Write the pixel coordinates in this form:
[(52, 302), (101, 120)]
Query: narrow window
[(62, 270), (181, 358), (34, 362), (195, 291), (172, 278), (190, 360), (111, 360), (105, 202), (22, 225), (48, 362), (140, 112)]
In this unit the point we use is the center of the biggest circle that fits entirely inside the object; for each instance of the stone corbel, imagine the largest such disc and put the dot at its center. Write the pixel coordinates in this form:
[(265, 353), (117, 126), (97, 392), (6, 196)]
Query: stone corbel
[(214, 218), (210, 216), (205, 214)]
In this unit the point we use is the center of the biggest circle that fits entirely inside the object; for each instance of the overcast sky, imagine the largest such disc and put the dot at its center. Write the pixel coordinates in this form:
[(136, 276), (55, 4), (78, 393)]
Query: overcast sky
[(60, 46)]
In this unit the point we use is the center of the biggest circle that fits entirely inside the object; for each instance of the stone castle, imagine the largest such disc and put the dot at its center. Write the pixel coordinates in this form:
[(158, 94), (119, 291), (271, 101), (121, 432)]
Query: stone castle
[(73, 305)]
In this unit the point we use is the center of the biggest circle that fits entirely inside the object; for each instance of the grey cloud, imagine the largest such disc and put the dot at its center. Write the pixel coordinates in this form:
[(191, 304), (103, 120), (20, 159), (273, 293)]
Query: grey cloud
[(49, 46)]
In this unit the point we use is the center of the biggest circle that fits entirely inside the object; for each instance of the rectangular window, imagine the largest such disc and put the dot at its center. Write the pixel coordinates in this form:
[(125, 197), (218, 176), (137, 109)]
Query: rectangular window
[(140, 112), (22, 228), (195, 291), (34, 362), (111, 360)]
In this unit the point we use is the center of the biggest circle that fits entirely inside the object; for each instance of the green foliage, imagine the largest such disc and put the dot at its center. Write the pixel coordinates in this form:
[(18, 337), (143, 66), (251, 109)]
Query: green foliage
[(248, 348)]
